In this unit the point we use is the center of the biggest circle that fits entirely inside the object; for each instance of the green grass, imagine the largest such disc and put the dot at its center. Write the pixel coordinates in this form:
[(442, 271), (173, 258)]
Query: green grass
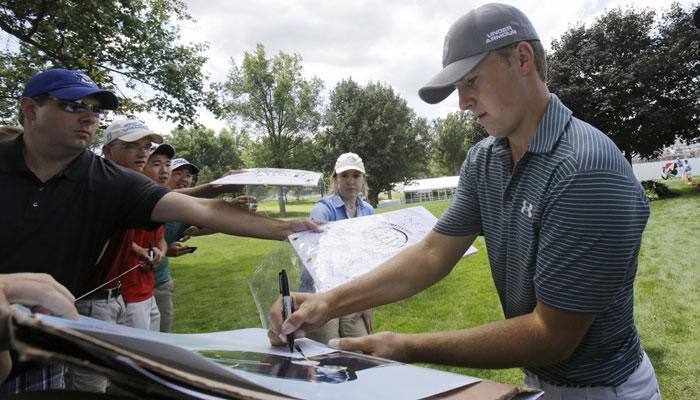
[(211, 292)]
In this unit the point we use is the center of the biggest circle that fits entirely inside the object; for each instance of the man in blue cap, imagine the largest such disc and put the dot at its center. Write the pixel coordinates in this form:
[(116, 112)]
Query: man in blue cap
[(562, 215), (61, 202)]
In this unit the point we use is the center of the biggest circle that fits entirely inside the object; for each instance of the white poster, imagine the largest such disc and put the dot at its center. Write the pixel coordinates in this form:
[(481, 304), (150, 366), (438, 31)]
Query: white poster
[(246, 356), (349, 248), (271, 176)]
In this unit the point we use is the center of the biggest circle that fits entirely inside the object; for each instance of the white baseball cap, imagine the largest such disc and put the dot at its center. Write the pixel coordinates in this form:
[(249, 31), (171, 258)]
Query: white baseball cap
[(348, 161), (130, 130)]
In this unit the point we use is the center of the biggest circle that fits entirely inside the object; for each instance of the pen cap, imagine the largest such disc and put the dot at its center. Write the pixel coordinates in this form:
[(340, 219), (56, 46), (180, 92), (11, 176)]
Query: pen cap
[(284, 283)]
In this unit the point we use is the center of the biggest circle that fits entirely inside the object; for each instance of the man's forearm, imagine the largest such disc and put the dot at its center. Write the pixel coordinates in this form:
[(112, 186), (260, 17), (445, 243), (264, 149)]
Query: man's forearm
[(524, 341), (221, 216), (208, 191)]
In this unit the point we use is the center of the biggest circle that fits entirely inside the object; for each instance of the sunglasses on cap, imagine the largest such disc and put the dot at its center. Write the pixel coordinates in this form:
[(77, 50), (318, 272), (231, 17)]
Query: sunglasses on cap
[(76, 106)]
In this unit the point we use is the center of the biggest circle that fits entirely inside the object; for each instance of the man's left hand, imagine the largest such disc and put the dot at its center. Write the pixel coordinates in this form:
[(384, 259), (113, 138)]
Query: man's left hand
[(300, 225), (383, 344)]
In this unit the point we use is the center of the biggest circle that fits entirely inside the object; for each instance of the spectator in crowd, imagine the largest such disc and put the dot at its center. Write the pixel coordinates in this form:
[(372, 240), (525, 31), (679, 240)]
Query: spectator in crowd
[(148, 251), (344, 201), (62, 197), (562, 215), (687, 172), (127, 144)]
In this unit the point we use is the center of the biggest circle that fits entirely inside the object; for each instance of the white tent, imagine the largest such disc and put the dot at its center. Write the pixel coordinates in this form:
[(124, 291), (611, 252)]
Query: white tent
[(430, 189)]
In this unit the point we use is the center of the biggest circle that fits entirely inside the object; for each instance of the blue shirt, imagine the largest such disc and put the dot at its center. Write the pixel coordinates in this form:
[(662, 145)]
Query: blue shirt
[(332, 208), (563, 226)]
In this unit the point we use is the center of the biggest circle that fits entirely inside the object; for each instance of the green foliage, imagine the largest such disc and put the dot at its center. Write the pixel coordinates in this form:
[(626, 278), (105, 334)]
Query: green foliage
[(375, 122), (272, 97), (656, 190), (635, 80), (213, 154), (454, 135), (130, 42)]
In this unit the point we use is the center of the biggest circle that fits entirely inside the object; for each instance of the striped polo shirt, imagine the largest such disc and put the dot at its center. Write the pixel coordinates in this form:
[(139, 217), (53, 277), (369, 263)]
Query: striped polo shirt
[(563, 226)]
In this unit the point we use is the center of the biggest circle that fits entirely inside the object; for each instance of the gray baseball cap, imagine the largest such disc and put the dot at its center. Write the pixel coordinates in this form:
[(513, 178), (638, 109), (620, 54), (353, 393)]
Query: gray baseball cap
[(470, 40)]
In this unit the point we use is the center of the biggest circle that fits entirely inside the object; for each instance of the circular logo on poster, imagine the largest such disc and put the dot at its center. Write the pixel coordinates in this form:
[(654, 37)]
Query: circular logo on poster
[(389, 236)]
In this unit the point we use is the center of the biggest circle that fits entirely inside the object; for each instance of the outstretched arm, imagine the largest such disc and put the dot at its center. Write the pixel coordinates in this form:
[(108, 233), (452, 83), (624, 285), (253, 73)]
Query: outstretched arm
[(222, 216)]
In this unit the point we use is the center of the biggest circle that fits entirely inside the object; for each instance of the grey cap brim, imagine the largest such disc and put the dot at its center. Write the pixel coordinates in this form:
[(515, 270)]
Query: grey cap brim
[(136, 136), (443, 84)]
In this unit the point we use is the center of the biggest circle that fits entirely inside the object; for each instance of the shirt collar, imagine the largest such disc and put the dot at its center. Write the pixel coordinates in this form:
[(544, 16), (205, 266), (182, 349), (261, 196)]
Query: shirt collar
[(338, 202), (12, 160), (78, 169), (552, 124)]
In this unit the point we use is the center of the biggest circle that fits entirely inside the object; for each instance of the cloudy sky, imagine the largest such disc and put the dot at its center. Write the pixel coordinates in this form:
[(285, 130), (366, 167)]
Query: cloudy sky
[(395, 42)]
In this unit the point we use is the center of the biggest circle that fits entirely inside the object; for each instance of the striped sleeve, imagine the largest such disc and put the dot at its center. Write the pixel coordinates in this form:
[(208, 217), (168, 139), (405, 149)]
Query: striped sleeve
[(589, 240), (463, 216)]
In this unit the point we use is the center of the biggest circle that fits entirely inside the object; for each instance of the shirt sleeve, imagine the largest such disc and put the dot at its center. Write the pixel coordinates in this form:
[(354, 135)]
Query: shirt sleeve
[(140, 196), (590, 236), (463, 216), (320, 212)]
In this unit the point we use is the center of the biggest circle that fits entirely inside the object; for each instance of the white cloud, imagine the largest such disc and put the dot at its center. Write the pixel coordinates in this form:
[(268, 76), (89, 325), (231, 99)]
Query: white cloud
[(395, 42)]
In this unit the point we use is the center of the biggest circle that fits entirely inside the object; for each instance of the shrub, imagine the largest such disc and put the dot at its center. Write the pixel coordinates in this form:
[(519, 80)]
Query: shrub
[(656, 190)]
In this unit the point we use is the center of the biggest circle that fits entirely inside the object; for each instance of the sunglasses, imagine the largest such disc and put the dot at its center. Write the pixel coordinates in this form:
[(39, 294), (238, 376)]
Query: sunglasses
[(79, 106)]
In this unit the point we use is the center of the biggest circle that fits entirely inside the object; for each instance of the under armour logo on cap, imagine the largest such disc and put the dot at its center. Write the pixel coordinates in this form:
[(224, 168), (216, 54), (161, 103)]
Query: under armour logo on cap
[(469, 41)]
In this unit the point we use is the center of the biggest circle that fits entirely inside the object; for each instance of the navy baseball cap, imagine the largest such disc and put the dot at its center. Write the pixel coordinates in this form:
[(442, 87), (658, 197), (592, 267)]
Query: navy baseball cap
[(65, 84), (470, 39), (164, 149)]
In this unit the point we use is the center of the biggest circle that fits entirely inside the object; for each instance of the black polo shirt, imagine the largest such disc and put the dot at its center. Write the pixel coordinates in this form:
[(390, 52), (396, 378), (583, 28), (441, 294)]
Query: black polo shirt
[(60, 226)]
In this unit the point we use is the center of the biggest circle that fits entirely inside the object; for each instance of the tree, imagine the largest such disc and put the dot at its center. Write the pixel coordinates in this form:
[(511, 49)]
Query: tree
[(271, 95), (213, 154), (635, 80), (454, 135), (376, 123), (131, 42)]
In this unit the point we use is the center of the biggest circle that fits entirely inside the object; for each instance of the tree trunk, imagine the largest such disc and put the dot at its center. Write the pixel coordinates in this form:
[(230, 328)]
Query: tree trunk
[(280, 200), (373, 197), (628, 156), (389, 194)]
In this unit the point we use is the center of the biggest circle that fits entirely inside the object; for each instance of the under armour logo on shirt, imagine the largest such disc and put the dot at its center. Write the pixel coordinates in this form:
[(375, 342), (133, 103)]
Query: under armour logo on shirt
[(527, 209)]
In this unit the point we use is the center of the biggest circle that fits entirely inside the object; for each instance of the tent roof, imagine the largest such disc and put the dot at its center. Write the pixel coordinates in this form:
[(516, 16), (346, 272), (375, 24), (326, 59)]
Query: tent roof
[(426, 185)]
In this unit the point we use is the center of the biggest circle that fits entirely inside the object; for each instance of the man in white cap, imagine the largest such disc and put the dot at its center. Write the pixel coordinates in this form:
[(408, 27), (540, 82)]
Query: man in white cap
[(128, 144), (62, 203), (562, 215)]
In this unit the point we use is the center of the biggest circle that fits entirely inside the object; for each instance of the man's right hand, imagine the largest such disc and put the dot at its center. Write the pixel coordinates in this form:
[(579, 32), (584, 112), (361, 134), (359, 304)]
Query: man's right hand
[(310, 312), (40, 292)]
